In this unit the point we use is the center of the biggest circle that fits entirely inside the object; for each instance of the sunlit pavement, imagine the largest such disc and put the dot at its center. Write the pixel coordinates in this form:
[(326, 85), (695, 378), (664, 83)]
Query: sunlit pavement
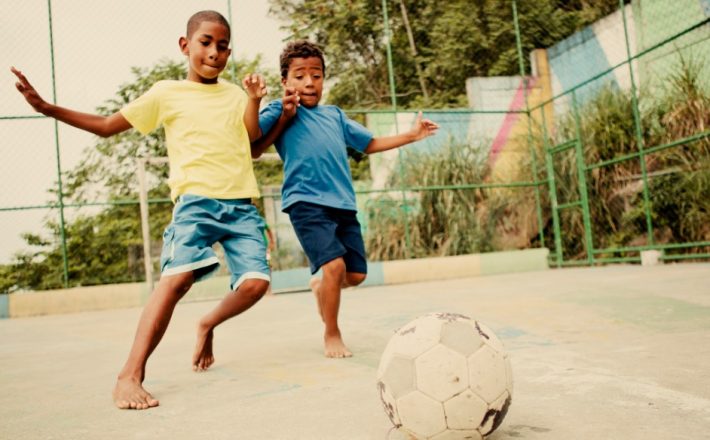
[(620, 352)]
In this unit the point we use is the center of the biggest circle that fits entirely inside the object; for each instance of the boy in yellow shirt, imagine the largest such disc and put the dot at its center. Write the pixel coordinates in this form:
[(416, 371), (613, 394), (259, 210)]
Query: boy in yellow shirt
[(208, 127)]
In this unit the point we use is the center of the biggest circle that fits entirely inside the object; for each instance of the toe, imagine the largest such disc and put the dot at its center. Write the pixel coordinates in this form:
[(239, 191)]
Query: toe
[(122, 404)]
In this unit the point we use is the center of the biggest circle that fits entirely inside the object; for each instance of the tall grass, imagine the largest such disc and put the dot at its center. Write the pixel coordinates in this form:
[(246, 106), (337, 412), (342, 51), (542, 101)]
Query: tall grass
[(441, 222), (678, 177)]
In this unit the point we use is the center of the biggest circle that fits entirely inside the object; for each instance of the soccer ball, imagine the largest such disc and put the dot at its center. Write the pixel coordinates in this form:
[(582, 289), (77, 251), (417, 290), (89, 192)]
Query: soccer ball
[(445, 376)]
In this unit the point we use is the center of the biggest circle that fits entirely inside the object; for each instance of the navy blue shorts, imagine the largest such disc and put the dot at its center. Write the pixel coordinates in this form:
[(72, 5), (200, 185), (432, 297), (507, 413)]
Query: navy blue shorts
[(328, 233)]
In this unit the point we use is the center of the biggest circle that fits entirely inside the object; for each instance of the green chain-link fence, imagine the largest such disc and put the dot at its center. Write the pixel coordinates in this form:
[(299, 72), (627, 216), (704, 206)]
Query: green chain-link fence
[(595, 147)]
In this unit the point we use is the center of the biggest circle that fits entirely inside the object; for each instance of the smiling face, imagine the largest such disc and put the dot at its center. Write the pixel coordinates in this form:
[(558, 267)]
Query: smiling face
[(306, 76), (207, 50)]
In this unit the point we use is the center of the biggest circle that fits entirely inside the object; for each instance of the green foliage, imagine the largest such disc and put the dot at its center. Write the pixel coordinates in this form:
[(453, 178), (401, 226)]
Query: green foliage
[(678, 177), (681, 206), (446, 222), (454, 40)]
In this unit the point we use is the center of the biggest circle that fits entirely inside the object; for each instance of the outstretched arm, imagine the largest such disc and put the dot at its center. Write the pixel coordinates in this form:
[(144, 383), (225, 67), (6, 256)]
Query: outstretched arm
[(422, 128), (256, 89), (290, 104), (103, 126)]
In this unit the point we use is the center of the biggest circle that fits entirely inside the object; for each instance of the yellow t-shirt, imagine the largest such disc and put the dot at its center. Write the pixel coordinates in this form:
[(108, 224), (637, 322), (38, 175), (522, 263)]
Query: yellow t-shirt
[(208, 145)]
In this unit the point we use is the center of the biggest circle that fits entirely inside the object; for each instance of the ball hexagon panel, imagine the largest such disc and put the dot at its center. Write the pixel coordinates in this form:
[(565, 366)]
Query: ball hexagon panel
[(441, 373), (415, 338), (421, 415), (459, 336), (465, 411), (398, 374), (487, 376)]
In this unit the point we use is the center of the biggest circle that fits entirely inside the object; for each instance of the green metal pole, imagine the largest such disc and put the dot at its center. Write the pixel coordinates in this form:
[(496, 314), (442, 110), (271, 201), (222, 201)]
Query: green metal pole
[(553, 193), (60, 189), (582, 182), (393, 94), (533, 156), (639, 134)]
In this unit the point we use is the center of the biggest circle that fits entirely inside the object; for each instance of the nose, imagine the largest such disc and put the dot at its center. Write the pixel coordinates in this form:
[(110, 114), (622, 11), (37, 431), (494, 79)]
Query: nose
[(212, 52), (308, 81)]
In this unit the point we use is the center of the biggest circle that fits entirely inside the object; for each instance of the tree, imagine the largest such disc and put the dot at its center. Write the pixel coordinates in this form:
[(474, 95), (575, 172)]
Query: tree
[(454, 40)]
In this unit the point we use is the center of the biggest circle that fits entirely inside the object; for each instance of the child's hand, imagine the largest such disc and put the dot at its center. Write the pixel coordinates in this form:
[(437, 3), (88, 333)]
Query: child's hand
[(290, 102), (29, 92), (255, 86), (423, 127)]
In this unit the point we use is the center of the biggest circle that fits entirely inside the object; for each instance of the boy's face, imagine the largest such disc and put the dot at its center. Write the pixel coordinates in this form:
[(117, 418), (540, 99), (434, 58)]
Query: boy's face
[(207, 52), (306, 76)]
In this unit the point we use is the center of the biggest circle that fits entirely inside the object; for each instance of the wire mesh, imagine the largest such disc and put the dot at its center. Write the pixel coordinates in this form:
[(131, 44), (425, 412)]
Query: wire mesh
[(585, 143)]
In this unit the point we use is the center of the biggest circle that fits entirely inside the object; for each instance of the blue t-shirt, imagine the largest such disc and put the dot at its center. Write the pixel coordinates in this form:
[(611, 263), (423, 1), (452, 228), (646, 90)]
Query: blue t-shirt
[(313, 148)]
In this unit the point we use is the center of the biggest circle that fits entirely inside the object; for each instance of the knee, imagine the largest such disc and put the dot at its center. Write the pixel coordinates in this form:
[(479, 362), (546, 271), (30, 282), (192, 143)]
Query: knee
[(253, 288), (178, 284), (334, 269), (355, 278)]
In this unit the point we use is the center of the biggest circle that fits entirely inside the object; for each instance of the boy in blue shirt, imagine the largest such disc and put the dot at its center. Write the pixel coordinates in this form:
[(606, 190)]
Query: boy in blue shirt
[(317, 192), (208, 128)]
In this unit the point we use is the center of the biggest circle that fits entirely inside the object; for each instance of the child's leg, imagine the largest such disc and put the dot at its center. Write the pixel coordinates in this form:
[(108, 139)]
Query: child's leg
[(329, 301), (246, 295), (332, 241), (129, 392), (244, 247), (352, 279)]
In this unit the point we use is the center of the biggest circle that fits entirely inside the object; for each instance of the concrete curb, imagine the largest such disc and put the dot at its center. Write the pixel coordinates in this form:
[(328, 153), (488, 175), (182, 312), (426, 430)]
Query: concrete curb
[(111, 296)]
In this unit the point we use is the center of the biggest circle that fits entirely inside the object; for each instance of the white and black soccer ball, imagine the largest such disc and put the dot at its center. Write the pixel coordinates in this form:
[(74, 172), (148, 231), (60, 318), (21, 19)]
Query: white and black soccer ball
[(445, 376)]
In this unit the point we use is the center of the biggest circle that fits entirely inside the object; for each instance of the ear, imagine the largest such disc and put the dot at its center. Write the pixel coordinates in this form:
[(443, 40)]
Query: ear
[(182, 42), (284, 82)]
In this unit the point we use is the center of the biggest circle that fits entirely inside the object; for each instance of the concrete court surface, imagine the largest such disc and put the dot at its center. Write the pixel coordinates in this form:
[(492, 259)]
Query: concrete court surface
[(619, 352)]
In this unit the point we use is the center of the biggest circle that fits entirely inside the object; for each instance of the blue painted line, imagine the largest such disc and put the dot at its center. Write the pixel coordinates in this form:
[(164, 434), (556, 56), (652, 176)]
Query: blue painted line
[(510, 332), (290, 279), (4, 306), (375, 274)]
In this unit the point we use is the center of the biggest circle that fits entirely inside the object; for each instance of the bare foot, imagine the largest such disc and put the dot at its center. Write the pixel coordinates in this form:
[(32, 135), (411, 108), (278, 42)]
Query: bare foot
[(203, 357), (335, 348), (130, 394), (314, 284)]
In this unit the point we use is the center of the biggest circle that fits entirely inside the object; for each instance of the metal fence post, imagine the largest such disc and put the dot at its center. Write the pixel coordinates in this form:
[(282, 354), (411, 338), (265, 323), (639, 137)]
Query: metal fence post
[(582, 182), (533, 156), (393, 99), (637, 126), (60, 189)]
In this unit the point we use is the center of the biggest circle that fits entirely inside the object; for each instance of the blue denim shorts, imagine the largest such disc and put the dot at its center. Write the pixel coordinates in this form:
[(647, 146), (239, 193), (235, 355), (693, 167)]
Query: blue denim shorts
[(199, 222), (328, 233)]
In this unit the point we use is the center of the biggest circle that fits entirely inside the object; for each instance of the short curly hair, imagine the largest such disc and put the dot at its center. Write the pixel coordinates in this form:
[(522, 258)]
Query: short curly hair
[(299, 49)]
